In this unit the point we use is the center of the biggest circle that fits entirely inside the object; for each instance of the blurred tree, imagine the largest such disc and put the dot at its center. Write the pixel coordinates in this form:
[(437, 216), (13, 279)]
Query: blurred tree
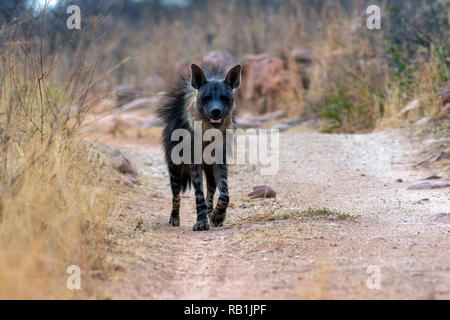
[(13, 9), (418, 23)]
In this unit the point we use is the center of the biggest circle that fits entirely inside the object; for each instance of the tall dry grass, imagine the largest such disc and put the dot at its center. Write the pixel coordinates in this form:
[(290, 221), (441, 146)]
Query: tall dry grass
[(54, 194)]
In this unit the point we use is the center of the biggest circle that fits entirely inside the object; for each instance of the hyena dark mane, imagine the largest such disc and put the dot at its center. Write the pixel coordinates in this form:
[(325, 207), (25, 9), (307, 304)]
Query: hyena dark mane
[(205, 95)]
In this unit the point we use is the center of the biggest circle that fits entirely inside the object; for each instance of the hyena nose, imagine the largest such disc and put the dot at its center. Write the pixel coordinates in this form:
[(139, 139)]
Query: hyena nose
[(216, 113)]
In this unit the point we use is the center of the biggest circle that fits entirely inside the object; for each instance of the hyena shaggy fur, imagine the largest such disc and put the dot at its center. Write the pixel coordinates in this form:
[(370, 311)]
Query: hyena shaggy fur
[(208, 96)]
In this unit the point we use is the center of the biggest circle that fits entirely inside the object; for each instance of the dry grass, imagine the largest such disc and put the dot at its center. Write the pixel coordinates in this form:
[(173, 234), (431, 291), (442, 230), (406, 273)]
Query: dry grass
[(273, 213), (54, 195)]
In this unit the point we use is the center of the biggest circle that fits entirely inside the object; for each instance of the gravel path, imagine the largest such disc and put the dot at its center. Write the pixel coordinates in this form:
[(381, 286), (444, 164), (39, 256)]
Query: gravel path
[(271, 249)]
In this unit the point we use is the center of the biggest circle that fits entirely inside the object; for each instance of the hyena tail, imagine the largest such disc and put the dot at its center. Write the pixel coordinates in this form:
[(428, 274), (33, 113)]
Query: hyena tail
[(172, 112)]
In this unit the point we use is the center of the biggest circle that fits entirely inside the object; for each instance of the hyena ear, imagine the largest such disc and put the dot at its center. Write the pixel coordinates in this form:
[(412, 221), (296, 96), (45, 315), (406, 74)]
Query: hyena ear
[(198, 77), (233, 77)]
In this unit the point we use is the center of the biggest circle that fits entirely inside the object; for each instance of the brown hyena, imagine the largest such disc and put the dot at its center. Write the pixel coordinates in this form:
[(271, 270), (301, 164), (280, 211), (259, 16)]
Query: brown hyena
[(207, 96)]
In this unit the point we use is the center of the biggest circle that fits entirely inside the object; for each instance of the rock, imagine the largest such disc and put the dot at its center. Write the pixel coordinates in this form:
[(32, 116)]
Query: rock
[(300, 55), (445, 112), (265, 80), (129, 119), (262, 192), (153, 84), (376, 238), (142, 103), (433, 177), (300, 61), (127, 180), (125, 93), (422, 121), (269, 116), (281, 127), (221, 59), (440, 217), (429, 142), (442, 155), (104, 106), (151, 123), (121, 163), (247, 123), (444, 95), (256, 121), (287, 125), (409, 107), (425, 185), (131, 124), (434, 158), (421, 201)]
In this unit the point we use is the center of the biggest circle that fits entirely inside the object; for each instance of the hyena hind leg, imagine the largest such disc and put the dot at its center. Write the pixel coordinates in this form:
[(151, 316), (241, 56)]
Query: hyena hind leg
[(175, 214)]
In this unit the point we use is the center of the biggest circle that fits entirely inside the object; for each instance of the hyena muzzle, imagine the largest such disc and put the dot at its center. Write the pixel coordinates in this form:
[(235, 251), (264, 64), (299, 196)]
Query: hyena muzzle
[(207, 96)]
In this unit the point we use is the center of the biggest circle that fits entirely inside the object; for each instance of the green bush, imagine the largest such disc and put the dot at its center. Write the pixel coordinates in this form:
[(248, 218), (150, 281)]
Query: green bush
[(343, 113)]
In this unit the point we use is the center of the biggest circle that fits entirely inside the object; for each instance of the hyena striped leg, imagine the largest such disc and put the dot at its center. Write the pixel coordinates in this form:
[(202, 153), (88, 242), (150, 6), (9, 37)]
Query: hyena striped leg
[(175, 215), (202, 216), (211, 189), (219, 213)]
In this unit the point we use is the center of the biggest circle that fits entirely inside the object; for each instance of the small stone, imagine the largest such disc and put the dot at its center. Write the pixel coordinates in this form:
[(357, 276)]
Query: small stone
[(127, 180), (445, 112), (444, 94), (421, 201), (423, 121), (377, 238), (121, 163), (409, 107), (426, 185), (429, 142), (440, 217), (262, 192), (433, 177)]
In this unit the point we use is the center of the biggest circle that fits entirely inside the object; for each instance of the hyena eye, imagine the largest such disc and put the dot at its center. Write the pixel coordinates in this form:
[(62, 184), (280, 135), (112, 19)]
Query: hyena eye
[(206, 99), (225, 99)]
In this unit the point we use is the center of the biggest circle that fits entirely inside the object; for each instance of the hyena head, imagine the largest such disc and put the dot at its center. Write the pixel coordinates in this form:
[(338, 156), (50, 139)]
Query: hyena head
[(215, 96)]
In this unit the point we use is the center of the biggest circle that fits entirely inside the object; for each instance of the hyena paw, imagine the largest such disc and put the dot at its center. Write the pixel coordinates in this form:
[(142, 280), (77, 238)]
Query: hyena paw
[(217, 218), (201, 225), (175, 221)]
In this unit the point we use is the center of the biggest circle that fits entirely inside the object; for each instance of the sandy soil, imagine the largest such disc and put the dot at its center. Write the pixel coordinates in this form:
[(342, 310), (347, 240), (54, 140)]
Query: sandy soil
[(268, 249)]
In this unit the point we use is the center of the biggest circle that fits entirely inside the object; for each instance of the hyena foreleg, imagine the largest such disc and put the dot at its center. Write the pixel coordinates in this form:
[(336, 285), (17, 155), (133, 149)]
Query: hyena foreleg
[(175, 186), (219, 213), (202, 215), (211, 188)]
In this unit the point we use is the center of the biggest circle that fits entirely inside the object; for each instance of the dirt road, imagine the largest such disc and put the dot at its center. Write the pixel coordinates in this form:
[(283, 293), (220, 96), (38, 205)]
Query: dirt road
[(272, 248)]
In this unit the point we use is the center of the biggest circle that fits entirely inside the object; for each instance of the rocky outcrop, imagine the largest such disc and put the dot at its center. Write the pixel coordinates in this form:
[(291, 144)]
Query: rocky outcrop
[(264, 79)]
